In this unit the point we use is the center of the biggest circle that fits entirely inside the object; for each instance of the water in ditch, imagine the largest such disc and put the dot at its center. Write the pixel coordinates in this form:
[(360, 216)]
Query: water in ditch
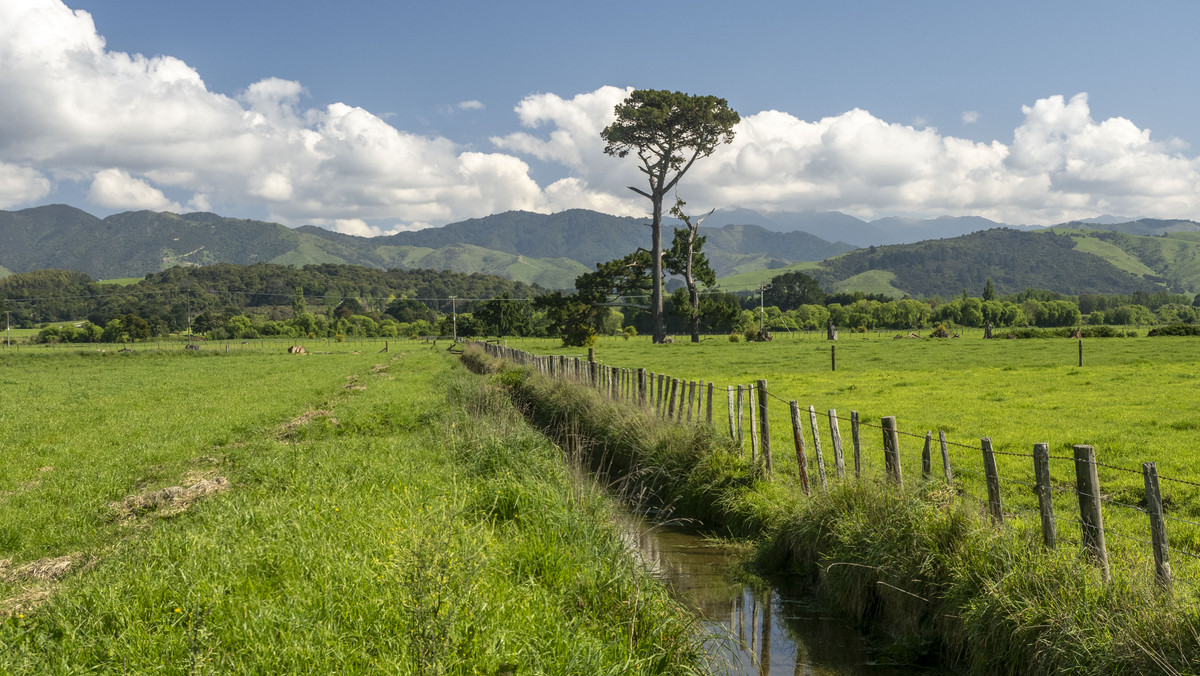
[(753, 632)]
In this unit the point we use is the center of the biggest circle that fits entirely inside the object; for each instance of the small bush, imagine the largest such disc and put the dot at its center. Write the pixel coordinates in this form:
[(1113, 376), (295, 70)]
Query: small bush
[(940, 331)]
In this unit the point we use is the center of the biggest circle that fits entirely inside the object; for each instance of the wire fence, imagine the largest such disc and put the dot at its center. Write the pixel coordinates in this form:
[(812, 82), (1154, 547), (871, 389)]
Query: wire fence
[(1025, 486)]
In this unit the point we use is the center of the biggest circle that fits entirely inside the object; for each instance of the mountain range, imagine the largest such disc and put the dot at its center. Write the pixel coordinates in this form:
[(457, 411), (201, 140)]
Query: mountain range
[(894, 256), (546, 249)]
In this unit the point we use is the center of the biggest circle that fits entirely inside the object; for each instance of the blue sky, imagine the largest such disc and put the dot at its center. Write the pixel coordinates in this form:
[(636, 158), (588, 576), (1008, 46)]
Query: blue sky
[(371, 117)]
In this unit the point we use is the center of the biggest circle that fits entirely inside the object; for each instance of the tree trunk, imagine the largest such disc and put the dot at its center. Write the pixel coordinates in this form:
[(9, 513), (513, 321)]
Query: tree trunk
[(693, 293), (656, 268)]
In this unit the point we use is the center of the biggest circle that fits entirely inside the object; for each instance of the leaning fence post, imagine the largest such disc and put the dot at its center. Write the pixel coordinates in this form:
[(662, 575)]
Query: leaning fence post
[(798, 435), (764, 421), (993, 481), (891, 449), (812, 419), (1158, 527), (854, 437), (945, 458), (1041, 477), (1091, 519), (835, 439)]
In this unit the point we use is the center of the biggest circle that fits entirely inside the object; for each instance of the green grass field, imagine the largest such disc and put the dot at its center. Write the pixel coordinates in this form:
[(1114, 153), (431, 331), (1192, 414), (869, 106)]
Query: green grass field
[(344, 512), (1134, 400)]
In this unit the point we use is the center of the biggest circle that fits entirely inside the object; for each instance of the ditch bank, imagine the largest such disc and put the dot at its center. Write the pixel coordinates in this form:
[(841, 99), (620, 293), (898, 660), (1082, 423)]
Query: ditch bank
[(920, 565)]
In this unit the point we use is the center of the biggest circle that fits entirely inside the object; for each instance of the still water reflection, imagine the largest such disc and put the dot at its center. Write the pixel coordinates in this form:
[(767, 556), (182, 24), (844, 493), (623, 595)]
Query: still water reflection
[(754, 632)]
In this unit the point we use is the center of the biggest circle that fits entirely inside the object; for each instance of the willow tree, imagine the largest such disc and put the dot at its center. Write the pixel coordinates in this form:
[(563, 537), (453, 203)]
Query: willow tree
[(668, 132)]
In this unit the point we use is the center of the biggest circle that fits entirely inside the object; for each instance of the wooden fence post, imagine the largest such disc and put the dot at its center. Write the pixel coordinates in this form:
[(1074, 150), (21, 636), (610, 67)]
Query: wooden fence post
[(857, 441), (641, 377), (926, 460), (662, 394), (798, 436), (816, 435), (740, 427), (691, 399), (753, 426), (708, 403), (671, 399), (1045, 494), (764, 420), (1091, 518), (835, 438), (729, 394), (833, 357), (945, 458), (993, 481), (1158, 526), (891, 449)]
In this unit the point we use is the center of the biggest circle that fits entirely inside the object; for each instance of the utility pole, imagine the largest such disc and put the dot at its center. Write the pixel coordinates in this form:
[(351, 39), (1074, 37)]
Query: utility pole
[(762, 288), (8, 328), (454, 315)]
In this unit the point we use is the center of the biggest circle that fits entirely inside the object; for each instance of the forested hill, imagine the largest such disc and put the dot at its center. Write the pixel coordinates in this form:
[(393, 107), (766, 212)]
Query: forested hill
[(550, 250), (134, 243), (224, 288), (1013, 260)]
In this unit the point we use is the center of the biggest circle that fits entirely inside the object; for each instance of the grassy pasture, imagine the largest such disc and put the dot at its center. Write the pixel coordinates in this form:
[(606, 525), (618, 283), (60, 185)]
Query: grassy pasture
[(381, 514), (1134, 400)]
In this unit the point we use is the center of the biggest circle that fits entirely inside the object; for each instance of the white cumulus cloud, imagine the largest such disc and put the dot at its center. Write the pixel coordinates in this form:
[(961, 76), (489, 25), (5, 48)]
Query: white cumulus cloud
[(138, 127), (142, 132), (118, 190), (1062, 164), (20, 185)]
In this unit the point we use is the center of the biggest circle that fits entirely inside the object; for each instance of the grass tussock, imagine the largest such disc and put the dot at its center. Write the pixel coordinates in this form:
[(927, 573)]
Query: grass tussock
[(921, 565)]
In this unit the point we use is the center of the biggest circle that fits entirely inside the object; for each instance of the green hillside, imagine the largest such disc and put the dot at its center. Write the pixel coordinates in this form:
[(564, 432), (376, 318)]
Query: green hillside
[(1172, 258), (558, 273), (1014, 260), (749, 281), (870, 282)]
